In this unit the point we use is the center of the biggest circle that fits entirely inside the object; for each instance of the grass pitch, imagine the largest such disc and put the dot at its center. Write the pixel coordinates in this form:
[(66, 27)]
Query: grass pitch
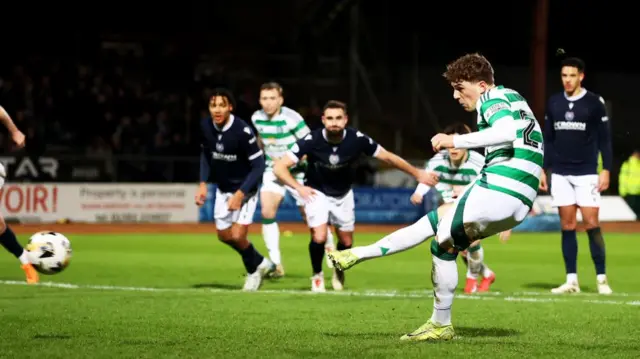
[(177, 296)]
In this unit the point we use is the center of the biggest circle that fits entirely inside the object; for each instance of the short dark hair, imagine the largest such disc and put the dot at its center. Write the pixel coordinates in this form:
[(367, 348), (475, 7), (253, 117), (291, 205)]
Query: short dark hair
[(335, 104), (225, 93), (470, 67), (574, 62), (458, 127), (272, 85)]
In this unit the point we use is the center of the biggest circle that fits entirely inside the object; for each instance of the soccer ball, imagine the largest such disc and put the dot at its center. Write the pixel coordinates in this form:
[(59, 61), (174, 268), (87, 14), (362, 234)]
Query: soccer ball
[(49, 252)]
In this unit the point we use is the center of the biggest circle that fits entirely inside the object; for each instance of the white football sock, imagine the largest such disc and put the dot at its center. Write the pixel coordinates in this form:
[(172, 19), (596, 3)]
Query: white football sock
[(601, 278), (486, 272), (572, 278), (445, 279), (475, 260), (271, 235), (23, 258), (398, 241), (329, 243)]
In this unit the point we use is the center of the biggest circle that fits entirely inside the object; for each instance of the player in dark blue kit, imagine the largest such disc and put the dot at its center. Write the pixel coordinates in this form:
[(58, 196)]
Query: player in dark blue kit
[(331, 154), (576, 130), (232, 159)]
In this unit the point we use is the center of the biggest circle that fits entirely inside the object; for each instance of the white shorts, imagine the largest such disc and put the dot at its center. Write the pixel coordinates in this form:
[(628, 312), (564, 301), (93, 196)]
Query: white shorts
[(570, 190), (480, 213), (323, 209), (270, 183), (225, 218)]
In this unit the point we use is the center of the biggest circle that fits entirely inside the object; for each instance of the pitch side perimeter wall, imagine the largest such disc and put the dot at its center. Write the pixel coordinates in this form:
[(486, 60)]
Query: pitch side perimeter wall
[(174, 203)]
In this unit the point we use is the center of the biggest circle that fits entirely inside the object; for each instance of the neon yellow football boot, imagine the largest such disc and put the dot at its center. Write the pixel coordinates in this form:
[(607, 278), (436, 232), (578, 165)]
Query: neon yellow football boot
[(343, 260), (429, 331)]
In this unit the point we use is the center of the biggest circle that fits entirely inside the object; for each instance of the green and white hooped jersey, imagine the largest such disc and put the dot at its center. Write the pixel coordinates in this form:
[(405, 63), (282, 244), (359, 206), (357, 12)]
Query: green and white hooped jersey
[(450, 175), (279, 133), (513, 168)]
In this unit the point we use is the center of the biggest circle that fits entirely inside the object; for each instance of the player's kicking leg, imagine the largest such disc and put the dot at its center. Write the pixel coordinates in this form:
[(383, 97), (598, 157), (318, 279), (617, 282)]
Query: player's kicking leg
[(9, 241), (410, 237), (232, 227), (460, 227)]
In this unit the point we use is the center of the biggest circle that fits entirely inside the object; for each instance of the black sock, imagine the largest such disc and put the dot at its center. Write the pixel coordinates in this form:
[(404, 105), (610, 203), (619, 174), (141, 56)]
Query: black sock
[(10, 242), (570, 250), (250, 257), (342, 247), (316, 252), (596, 244)]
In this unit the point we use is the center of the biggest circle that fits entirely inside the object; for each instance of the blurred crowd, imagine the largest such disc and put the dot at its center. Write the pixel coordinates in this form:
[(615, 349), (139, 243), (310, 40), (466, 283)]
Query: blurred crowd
[(120, 103)]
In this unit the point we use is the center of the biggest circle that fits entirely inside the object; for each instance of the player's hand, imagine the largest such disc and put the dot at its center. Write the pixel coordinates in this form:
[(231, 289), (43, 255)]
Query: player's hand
[(416, 198), (306, 193), (603, 181), (441, 141), (543, 186), (504, 236), (235, 202), (429, 178), (201, 195), (18, 139)]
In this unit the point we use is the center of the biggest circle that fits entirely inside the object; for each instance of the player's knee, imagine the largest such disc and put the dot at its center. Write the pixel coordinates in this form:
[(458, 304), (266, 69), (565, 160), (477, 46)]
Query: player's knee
[(345, 239), (268, 212), (591, 222), (568, 224), (319, 234)]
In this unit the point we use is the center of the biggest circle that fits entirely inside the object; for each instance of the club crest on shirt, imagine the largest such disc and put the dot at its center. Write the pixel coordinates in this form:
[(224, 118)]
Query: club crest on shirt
[(334, 159), (219, 147), (569, 115)]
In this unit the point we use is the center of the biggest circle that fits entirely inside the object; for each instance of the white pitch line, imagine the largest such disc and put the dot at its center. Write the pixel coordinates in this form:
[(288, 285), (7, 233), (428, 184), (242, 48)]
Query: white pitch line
[(512, 297)]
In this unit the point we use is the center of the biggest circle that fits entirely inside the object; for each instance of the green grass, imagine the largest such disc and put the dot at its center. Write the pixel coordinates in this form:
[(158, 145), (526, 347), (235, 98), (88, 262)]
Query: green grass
[(177, 296)]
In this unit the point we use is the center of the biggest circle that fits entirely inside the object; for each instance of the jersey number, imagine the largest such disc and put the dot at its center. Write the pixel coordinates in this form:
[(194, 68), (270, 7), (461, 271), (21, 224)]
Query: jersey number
[(528, 131)]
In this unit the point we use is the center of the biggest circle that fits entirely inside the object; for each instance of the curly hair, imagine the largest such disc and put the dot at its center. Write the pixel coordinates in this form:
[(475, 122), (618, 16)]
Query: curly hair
[(472, 68)]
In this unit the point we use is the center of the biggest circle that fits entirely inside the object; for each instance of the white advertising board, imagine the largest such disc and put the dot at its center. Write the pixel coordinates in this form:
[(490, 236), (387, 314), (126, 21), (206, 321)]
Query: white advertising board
[(612, 209), (99, 203)]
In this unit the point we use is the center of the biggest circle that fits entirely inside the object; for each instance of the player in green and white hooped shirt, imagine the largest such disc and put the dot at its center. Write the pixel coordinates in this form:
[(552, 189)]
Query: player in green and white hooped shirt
[(498, 200), (278, 128), (457, 168)]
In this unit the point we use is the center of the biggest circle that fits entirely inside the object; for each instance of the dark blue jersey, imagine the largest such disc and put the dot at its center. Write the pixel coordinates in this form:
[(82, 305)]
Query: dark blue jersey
[(576, 128), (331, 166), (230, 156)]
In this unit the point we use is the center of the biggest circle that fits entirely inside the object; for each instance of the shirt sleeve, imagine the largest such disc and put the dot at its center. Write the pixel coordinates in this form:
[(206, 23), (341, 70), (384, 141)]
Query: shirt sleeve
[(251, 144), (299, 128), (301, 148), (367, 144)]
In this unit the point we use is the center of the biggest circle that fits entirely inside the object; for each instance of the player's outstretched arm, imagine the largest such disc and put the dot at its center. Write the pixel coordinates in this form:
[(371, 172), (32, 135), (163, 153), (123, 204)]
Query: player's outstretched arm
[(501, 132), (429, 178), (16, 135), (281, 168)]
